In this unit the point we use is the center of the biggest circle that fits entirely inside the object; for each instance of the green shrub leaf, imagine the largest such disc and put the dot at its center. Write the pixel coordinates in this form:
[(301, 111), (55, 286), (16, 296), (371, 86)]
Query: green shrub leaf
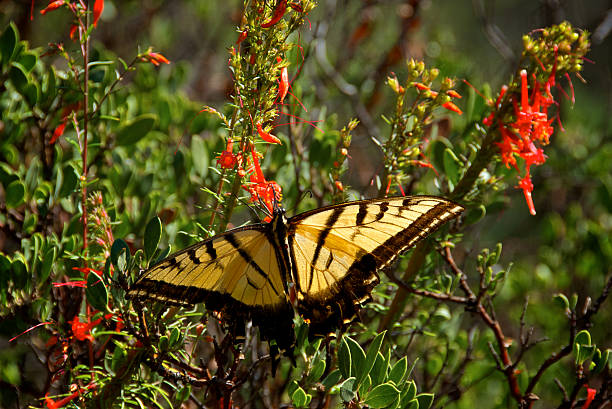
[(15, 194), (8, 40), (96, 292), (382, 395), (152, 237), (135, 130)]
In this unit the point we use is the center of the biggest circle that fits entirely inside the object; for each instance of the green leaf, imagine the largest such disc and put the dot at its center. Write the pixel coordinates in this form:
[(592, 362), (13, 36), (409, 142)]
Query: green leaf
[(15, 194), (408, 395), (20, 274), (413, 404), (8, 40), (120, 255), (583, 338), (27, 60), (425, 400), (47, 264), (135, 130), (365, 385), (357, 359), (332, 379), (96, 292), (71, 180), (379, 370), (399, 370), (474, 214), (183, 394), (370, 357), (344, 359), (347, 389), (152, 237), (601, 361), (299, 398), (200, 156), (18, 76), (317, 371), (452, 165), (119, 358), (382, 395), (30, 93), (163, 343), (175, 338)]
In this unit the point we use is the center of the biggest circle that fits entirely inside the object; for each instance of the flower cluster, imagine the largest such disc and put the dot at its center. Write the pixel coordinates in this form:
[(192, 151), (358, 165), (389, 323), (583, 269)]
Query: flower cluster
[(531, 129), (521, 112)]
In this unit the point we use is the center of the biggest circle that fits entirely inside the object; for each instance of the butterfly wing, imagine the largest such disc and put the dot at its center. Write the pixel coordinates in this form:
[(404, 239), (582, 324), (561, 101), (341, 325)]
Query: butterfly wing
[(238, 273), (337, 250)]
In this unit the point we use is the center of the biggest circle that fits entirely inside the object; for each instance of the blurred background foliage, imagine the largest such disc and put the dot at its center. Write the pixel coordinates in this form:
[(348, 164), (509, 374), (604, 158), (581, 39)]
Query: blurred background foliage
[(350, 49)]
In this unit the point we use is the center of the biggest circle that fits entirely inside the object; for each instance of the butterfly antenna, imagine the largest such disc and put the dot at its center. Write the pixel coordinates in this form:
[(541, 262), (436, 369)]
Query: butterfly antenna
[(248, 205)]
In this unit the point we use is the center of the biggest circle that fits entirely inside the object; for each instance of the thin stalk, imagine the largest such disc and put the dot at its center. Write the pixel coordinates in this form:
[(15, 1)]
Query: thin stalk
[(85, 52)]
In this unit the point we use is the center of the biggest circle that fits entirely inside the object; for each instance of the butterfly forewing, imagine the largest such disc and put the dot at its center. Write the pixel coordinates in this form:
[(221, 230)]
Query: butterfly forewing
[(337, 250)]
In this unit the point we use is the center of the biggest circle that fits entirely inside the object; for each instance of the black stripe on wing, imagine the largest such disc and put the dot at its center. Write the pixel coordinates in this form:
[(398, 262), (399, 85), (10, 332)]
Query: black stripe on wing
[(334, 308)]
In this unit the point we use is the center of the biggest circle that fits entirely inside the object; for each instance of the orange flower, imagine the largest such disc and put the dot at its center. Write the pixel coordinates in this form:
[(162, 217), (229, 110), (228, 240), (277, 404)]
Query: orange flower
[(82, 330), (279, 12), (452, 107), (155, 58), (97, 11), (283, 84), (268, 137), (52, 6), (59, 131), (227, 159)]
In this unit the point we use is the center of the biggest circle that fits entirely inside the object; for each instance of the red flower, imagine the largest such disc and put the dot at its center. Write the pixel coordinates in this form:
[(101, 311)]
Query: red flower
[(268, 193), (268, 137), (82, 330), (97, 11), (591, 392), (155, 58), (227, 159), (531, 126), (242, 36), (279, 12), (52, 6), (283, 84), (452, 107), (59, 131)]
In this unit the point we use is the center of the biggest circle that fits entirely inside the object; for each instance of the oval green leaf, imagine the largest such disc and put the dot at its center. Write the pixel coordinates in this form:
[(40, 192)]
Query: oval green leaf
[(96, 292), (152, 237), (382, 396), (135, 130), (15, 194)]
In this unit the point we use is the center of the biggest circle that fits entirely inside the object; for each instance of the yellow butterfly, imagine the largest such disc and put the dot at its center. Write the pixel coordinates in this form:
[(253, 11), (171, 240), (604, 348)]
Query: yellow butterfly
[(331, 256)]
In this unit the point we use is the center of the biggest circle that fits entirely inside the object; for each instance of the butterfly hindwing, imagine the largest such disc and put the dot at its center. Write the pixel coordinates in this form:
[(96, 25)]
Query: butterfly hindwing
[(337, 250)]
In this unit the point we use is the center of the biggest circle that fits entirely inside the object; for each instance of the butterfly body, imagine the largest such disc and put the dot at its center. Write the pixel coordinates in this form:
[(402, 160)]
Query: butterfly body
[(331, 255)]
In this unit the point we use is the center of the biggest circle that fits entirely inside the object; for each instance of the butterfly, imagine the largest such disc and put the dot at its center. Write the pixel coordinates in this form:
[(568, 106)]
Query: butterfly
[(327, 257)]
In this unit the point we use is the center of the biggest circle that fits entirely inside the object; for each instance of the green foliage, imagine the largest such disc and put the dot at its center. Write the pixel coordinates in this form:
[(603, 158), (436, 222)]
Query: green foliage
[(145, 169)]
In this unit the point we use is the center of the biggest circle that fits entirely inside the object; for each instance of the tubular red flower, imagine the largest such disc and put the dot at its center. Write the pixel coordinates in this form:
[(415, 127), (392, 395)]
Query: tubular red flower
[(452, 107), (279, 12), (97, 11), (591, 392), (59, 131), (52, 6), (453, 94), (242, 36), (155, 58), (228, 159), (283, 85), (268, 137)]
